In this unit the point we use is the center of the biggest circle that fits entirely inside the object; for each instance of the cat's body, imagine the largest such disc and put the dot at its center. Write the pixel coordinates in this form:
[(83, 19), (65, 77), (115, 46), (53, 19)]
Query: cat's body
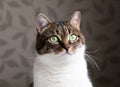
[(60, 61), (61, 71)]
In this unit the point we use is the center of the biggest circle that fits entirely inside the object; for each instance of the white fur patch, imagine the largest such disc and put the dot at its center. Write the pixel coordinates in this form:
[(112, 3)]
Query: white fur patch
[(61, 70)]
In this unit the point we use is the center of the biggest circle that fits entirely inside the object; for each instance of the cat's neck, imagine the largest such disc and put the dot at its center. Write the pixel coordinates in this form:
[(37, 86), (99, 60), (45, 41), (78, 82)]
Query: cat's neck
[(61, 71)]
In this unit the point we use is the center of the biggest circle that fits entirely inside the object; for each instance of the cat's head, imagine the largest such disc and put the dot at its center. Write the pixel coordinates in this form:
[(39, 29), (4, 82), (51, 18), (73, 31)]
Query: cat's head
[(58, 37)]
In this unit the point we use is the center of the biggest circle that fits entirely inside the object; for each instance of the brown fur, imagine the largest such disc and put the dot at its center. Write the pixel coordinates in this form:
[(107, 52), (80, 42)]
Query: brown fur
[(62, 30)]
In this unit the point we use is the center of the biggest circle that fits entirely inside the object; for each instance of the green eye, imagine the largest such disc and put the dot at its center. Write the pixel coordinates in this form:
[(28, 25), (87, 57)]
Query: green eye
[(73, 38), (53, 39)]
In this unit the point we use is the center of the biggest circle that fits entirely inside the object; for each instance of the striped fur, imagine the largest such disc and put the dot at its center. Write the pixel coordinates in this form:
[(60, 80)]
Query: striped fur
[(61, 64), (61, 29)]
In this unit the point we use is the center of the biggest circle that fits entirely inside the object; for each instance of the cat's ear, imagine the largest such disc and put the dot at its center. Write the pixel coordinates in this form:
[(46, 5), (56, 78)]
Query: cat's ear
[(41, 22), (76, 19)]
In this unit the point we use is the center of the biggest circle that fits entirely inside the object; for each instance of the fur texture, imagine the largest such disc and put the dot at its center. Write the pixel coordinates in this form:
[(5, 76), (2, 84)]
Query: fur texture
[(61, 70), (61, 48)]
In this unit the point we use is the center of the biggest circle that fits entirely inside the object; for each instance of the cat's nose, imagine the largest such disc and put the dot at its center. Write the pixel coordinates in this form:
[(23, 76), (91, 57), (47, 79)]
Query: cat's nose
[(67, 47), (70, 50)]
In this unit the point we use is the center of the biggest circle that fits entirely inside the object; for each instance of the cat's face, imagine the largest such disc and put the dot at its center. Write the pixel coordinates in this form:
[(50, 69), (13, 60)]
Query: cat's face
[(58, 37)]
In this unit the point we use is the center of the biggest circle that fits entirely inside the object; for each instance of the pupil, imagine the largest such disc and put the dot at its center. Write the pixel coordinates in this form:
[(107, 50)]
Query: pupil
[(54, 39), (73, 37)]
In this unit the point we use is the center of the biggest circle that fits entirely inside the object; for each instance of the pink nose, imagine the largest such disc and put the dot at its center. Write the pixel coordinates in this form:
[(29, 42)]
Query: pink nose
[(67, 47), (69, 50)]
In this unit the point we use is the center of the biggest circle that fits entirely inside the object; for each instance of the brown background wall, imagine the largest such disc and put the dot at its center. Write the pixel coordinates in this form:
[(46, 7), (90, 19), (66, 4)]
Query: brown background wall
[(100, 24)]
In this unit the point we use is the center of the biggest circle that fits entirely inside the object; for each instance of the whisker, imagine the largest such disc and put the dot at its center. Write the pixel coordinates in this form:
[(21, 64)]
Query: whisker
[(96, 50), (95, 58), (92, 65), (90, 59)]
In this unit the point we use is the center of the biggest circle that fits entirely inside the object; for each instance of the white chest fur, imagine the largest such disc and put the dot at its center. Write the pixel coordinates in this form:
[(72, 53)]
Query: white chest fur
[(61, 70)]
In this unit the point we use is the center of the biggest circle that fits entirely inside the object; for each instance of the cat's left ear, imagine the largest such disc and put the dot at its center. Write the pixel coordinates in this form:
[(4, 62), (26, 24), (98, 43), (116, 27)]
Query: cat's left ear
[(76, 19), (41, 22)]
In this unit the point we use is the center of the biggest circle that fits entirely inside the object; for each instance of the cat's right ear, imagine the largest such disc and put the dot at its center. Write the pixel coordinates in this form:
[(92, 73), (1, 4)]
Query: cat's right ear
[(76, 19), (41, 22)]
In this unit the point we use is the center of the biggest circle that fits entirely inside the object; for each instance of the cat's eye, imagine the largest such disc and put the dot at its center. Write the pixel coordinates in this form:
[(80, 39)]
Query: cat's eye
[(73, 38), (53, 39)]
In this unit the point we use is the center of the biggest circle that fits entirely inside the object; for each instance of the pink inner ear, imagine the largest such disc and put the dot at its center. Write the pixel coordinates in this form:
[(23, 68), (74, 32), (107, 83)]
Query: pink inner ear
[(38, 27), (41, 22), (75, 19)]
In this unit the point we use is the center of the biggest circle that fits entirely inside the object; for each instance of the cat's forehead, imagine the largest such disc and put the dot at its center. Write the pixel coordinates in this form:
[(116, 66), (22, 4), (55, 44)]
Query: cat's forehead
[(61, 23), (61, 28), (65, 27)]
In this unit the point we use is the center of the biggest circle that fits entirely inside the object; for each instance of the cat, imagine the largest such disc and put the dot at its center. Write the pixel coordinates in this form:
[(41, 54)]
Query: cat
[(60, 48)]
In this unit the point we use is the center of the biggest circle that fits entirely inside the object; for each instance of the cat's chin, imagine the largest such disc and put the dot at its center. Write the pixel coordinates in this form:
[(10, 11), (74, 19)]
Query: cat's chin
[(78, 51), (61, 58), (63, 53)]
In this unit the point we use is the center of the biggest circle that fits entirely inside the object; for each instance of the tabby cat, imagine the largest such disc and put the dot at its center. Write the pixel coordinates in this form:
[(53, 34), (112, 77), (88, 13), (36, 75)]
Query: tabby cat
[(60, 50)]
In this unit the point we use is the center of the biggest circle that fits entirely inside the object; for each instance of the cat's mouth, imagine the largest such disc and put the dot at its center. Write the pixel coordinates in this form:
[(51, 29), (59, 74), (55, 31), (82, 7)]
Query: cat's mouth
[(64, 52)]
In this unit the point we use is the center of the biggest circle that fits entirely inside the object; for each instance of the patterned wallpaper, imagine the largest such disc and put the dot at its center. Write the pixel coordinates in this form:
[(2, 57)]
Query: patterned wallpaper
[(100, 24)]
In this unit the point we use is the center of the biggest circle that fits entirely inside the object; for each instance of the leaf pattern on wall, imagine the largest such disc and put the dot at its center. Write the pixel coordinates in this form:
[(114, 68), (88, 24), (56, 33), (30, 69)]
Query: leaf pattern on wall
[(24, 42), (0, 17), (2, 67), (33, 48), (60, 2), (13, 4), (17, 35), (9, 17), (12, 63), (1, 4), (52, 13), (27, 2), (102, 26), (4, 83), (4, 26), (77, 1), (19, 75), (2, 42), (8, 53), (23, 21), (24, 61)]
